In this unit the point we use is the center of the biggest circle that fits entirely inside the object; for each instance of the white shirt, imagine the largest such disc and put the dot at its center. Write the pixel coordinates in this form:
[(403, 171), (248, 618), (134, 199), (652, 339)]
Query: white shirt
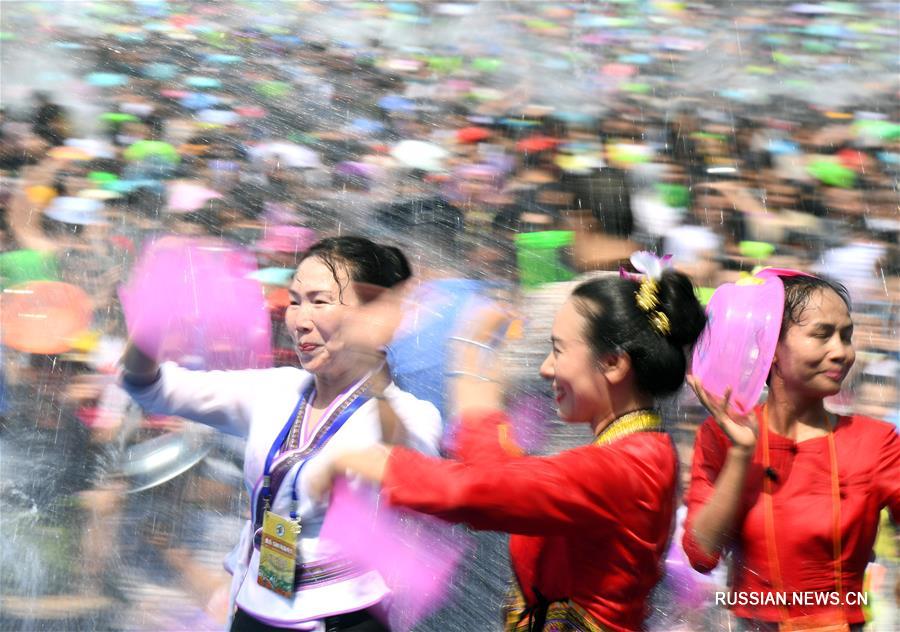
[(256, 404)]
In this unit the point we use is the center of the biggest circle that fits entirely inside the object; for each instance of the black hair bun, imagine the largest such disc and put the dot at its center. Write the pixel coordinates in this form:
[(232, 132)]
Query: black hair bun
[(679, 303)]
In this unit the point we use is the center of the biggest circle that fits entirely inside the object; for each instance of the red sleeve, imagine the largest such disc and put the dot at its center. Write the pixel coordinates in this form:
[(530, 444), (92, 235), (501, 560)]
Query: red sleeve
[(527, 495), (887, 473), (710, 449), (485, 435)]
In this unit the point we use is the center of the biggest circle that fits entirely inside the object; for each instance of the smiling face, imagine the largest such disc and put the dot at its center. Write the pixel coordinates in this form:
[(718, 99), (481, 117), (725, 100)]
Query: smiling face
[(579, 384), (318, 303), (815, 353)]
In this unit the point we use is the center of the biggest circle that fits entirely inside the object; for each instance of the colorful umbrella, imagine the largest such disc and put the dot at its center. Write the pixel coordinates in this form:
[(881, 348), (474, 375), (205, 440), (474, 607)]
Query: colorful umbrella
[(203, 82), (76, 210), (472, 134), (185, 197), (291, 155), (535, 144), (44, 317), (418, 154), (106, 79), (145, 149), (395, 102), (832, 173), (21, 266), (160, 71), (118, 117), (273, 89)]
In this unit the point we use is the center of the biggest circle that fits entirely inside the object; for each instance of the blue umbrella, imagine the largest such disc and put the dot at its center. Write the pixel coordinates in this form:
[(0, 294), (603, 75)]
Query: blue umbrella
[(291, 40), (198, 101), (106, 79), (403, 7), (160, 71), (365, 126), (127, 186), (781, 146), (130, 37), (395, 102), (223, 59), (638, 59), (203, 82)]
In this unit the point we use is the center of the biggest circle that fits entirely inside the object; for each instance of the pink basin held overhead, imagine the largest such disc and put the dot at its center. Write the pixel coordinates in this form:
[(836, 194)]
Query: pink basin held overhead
[(736, 348)]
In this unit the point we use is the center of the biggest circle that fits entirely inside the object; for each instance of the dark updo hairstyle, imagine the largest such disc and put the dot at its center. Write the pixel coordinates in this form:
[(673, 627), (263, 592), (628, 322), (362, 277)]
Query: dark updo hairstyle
[(364, 260), (797, 292), (615, 324)]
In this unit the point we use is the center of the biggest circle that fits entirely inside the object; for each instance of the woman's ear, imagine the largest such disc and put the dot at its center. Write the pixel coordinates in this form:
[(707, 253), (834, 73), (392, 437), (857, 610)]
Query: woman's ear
[(615, 367)]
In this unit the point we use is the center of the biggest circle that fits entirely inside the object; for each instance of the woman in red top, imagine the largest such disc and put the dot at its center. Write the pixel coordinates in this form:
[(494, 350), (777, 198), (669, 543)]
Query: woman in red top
[(794, 492), (589, 525)]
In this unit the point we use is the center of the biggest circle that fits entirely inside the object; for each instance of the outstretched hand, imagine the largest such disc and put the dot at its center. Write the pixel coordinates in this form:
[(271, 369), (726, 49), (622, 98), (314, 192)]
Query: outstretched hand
[(369, 464), (742, 430), (368, 328)]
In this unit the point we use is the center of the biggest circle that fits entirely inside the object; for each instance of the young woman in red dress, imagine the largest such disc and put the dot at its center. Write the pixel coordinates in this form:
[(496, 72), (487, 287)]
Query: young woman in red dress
[(589, 525), (792, 491)]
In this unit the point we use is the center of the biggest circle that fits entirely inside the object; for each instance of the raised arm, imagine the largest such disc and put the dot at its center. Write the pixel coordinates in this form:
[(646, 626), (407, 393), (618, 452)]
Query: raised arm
[(221, 399)]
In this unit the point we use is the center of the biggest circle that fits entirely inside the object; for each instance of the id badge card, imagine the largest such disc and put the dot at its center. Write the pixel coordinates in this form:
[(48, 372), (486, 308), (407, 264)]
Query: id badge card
[(278, 554)]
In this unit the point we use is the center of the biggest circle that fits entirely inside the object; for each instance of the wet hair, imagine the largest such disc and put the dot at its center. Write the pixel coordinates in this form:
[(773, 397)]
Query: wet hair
[(364, 260), (797, 292), (615, 324)]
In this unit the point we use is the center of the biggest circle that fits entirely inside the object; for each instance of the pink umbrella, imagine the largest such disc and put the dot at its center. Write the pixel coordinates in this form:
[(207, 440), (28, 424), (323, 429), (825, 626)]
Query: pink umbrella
[(173, 94), (185, 197), (415, 555), (189, 300), (618, 70), (250, 111)]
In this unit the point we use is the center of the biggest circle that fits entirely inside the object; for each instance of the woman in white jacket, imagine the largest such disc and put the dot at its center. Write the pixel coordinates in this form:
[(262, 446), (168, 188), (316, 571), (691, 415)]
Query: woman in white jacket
[(293, 420)]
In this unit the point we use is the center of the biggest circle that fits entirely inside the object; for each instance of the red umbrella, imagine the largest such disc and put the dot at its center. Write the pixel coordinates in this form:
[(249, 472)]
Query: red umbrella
[(856, 160), (44, 317), (472, 134), (534, 144)]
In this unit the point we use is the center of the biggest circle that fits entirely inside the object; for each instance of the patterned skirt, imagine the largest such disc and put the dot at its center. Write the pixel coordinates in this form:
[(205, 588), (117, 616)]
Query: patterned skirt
[(546, 616)]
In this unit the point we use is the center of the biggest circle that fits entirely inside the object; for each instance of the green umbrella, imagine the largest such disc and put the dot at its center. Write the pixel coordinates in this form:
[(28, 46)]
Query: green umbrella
[(756, 249), (273, 89), (143, 149), (118, 117), (101, 177), (832, 173), (444, 64), (486, 64), (815, 46), (783, 59), (674, 195), (883, 130), (636, 88), (759, 70), (21, 266)]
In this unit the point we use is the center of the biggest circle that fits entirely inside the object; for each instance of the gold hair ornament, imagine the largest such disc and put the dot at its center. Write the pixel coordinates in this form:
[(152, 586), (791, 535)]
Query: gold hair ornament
[(647, 295)]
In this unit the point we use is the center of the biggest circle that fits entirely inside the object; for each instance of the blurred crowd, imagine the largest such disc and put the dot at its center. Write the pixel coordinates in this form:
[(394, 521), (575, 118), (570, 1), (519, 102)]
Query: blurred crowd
[(523, 143)]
